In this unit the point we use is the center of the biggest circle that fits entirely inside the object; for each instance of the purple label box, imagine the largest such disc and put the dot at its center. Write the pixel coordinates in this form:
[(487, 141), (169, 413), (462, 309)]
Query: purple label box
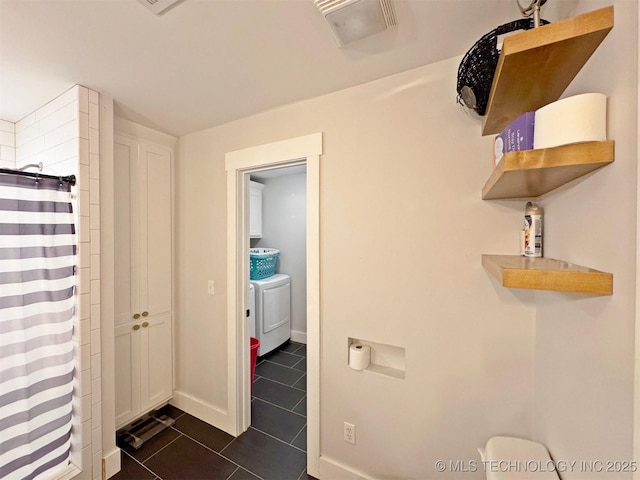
[(517, 136)]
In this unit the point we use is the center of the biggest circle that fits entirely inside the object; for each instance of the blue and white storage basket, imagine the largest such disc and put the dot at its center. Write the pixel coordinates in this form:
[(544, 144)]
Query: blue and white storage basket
[(263, 262)]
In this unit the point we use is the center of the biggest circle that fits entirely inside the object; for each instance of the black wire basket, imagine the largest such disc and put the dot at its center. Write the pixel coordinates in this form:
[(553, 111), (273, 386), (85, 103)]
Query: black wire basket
[(478, 66)]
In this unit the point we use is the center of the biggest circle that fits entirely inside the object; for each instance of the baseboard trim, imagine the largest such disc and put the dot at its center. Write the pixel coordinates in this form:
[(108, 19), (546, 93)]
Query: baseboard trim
[(204, 411), (333, 470), (111, 463), (300, 337)]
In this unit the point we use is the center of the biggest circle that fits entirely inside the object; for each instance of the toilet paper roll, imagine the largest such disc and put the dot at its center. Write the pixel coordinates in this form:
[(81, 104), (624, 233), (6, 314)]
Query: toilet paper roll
[(581, 118), (359, 356)]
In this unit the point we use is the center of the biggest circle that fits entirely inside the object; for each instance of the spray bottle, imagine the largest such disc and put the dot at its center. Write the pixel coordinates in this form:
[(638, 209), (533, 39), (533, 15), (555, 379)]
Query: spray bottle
[(532, 230)]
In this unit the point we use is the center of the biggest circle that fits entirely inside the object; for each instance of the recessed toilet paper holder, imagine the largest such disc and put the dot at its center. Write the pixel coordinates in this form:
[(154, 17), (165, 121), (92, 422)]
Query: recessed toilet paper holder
[(383, 359)]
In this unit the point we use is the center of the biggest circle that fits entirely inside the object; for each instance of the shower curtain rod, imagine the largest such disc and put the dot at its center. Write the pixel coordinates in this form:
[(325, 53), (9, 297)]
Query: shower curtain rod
[(71, 179)]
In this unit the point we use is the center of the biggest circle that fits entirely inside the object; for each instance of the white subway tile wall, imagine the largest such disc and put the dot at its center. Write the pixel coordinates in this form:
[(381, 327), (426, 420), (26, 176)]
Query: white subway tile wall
[(7, 144), (64, 135)]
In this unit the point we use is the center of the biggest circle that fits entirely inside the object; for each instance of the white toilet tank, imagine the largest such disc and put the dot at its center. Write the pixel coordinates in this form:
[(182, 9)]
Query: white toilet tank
[(510, 458)]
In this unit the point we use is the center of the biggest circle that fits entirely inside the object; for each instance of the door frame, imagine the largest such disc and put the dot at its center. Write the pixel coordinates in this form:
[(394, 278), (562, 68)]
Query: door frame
[(636, 396), (239, 164)]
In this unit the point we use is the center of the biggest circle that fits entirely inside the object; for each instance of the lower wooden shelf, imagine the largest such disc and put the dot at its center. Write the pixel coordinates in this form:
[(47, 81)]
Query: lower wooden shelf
[(516, 271)]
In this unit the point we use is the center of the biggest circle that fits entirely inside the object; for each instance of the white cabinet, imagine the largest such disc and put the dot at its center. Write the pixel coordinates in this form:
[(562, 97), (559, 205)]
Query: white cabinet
[(143, 277), (255, 209)]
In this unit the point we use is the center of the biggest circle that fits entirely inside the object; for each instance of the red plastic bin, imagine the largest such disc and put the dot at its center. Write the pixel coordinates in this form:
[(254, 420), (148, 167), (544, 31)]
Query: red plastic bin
[(255, 345)]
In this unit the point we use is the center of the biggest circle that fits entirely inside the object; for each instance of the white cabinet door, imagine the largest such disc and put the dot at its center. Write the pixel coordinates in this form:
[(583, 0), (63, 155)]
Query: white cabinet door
[(155, 229), (127, 381), (155, 349), (126, 213), (143, 366), (255, 209), (143, 277)]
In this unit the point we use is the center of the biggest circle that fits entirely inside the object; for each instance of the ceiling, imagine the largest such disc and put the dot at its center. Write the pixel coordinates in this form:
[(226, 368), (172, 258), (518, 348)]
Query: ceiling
[(207, 62)]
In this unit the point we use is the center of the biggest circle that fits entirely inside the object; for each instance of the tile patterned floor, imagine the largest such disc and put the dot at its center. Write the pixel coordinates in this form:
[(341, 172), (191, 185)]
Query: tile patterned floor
[(274, 447)]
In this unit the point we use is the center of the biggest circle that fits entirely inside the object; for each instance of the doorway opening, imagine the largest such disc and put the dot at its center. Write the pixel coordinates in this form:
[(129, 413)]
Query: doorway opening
[(277, 323), (240, 165)]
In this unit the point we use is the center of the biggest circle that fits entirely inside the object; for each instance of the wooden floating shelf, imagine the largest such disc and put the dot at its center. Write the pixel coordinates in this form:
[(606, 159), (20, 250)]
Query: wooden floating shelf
[(531, 173), (515, 271), (537, 65)]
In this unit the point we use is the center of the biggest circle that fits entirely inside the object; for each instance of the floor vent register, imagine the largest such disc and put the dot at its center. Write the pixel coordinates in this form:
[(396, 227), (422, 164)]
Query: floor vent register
[(145, 428)]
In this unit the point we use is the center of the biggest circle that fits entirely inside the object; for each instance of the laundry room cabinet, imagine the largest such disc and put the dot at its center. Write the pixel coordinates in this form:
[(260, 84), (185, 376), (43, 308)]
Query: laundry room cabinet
[(255, 209), (143, 276)]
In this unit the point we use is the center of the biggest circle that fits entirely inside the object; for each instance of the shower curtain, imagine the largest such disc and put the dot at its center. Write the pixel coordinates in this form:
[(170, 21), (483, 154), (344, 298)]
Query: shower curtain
[(37, 267)]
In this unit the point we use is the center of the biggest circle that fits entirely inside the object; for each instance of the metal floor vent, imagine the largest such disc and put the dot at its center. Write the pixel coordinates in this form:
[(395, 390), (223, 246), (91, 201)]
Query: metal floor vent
[(158, 6), (144, 429)]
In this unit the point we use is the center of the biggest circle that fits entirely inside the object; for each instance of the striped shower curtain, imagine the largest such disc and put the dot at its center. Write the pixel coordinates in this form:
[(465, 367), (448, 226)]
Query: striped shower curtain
[(37, 266)]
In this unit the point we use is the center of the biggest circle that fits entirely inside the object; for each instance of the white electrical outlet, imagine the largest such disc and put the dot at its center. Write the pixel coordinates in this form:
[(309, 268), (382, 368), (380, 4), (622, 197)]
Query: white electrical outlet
[(349, 433), (210, 289)]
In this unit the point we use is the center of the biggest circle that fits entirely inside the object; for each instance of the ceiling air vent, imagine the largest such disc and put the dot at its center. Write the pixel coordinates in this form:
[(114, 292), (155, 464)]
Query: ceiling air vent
[(352, 20), (158, 6)]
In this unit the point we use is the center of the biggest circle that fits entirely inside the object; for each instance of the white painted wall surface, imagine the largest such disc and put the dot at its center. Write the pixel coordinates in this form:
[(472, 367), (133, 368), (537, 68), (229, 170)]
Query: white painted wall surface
[(584, 360), (401, 234), (284, 227)]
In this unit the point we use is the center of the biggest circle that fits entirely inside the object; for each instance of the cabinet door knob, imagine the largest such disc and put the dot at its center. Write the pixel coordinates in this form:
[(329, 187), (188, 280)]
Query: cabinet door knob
[(145, 324), (145, 314), (136, 316), (136, 327)]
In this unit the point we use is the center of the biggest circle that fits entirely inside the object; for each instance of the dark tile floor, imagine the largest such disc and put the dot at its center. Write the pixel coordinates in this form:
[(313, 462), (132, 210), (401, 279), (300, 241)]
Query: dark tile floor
[(274, 447)]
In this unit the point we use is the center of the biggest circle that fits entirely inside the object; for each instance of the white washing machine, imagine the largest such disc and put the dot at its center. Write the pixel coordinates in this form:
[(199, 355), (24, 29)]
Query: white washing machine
[(272, 311)]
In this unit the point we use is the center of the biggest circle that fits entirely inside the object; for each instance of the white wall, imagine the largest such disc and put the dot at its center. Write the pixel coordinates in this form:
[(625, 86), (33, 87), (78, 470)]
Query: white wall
[(64, 135), (284, 227), (584, 359), (402, 230)]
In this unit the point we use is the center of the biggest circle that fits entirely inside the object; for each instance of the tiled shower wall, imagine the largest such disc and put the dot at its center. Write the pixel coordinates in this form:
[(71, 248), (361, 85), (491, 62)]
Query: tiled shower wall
[(7, 144), (64, 135)]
